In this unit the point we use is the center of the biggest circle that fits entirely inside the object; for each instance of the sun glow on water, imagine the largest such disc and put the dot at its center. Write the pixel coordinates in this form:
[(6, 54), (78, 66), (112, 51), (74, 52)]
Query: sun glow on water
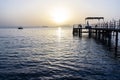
[(59, 33)]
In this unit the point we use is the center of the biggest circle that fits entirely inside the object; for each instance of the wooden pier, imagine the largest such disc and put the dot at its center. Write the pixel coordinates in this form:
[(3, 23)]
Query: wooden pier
[(102, 33)]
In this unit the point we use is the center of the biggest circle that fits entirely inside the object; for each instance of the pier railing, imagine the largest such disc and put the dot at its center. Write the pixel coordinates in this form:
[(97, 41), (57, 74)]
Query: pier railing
[(111, 25), (115, 24)]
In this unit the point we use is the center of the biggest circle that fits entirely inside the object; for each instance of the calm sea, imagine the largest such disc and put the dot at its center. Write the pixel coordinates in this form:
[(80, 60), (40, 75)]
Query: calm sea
[(54, 54)]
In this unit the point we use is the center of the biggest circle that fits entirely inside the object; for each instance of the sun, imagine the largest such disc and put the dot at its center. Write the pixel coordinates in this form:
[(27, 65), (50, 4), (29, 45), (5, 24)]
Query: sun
[(59, 15)]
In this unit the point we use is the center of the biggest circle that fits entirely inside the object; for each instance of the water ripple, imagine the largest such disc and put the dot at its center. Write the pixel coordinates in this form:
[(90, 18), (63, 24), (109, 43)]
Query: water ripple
[(43, 54)]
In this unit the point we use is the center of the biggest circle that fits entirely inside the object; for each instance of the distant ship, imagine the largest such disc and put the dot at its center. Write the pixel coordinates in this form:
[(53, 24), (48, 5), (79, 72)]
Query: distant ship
[(20, 27)]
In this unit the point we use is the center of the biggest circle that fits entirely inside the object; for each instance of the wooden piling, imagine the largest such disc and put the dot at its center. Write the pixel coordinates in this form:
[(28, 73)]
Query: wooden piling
[(96, 33), (99, 33), (80, 32), (90, 32), (109, 39), (116, 43)]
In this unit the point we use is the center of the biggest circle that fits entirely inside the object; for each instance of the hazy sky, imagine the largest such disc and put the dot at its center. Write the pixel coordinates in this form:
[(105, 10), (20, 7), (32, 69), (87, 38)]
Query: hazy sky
[(40, 12)]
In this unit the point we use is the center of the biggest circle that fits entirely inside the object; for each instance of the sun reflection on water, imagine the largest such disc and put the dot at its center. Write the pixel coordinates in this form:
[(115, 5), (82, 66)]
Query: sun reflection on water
[(59, 33)]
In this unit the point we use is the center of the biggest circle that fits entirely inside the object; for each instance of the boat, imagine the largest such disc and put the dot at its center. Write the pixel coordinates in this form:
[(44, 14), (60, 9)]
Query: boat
[(20, 27)]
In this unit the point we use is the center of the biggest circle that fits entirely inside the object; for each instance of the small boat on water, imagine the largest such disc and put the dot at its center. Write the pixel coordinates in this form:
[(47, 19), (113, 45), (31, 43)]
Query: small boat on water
[(20, 27)]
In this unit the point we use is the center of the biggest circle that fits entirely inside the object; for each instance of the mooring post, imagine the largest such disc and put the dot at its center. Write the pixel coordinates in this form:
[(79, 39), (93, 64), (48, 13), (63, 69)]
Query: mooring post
[(96, 33), (106, 36), (119, 24), (116, 43), (73, 30), (80, 32), (90, 32), (102, 36), (99, 34), (109, 39)]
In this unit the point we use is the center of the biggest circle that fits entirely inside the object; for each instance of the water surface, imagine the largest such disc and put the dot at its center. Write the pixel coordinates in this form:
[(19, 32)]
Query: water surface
[(53, 53)]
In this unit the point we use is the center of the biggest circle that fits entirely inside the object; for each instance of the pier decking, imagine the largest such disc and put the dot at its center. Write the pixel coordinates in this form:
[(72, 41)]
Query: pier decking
[(103, 33)]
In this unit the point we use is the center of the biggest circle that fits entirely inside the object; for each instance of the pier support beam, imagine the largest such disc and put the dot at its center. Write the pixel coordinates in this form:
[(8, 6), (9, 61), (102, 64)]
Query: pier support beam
[(109, 39), (102, 36), (80, 32), (99, 32), (116, 43), (90, 32), (96, 33)]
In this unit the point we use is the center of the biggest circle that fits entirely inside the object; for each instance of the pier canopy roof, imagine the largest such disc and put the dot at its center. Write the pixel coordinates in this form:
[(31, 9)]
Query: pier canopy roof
[(90, 18)]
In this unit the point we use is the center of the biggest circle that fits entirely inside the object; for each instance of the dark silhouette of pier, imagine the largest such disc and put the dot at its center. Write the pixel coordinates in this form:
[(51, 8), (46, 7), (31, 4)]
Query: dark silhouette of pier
[(102, 32)]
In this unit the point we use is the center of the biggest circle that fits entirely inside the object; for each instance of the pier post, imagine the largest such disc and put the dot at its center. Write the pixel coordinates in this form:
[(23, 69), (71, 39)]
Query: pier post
[(80, 32), (109, 39), (102, 36), (99, 34), (96, 33), (90, 32), (116, 43), (75, 31), (105, 34)]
